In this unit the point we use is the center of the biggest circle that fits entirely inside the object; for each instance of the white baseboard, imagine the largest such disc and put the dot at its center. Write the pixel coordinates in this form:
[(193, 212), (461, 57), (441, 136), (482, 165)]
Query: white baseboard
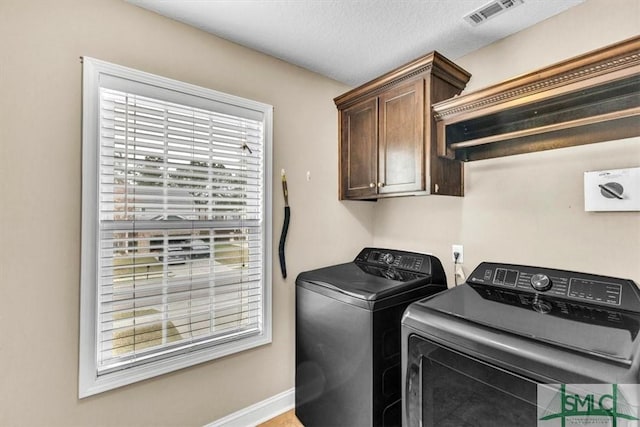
[(259, 412)]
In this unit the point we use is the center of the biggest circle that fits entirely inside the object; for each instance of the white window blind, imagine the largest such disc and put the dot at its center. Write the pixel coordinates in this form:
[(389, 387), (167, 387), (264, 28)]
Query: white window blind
[(180, 265)]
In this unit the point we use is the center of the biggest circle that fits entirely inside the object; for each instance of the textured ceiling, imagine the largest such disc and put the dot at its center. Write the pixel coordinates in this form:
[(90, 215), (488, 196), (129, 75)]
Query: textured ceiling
[(353, 41)]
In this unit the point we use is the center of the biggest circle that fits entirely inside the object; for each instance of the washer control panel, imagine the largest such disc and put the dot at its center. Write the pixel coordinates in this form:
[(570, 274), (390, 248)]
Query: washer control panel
[(594, 289), (398, 260), (394, 259)]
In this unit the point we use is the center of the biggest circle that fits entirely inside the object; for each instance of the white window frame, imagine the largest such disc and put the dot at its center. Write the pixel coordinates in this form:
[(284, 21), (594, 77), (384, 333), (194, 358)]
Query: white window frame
[(95, 72)]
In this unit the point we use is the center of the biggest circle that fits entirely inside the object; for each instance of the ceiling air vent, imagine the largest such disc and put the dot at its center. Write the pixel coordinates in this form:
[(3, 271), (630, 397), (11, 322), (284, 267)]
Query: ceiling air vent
[(491, 10)]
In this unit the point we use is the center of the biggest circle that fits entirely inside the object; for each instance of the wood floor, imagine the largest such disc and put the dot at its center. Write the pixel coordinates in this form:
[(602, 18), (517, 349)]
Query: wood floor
[(288, 419)]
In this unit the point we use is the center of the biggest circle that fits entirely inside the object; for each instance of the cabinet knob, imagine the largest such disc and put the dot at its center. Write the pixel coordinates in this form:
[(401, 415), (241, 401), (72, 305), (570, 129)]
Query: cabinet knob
[(371, 185), (381, 184)]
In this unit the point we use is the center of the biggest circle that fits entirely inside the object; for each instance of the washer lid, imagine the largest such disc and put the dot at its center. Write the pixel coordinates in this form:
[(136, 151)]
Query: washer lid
[(356, 284), (596, 330)]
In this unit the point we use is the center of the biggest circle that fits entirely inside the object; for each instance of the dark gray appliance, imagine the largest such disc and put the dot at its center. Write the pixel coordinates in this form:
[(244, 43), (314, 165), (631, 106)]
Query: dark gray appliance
[(474, 355), (348, 336)]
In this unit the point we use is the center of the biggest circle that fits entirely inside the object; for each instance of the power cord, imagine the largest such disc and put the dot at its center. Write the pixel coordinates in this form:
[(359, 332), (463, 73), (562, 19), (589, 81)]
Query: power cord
[(456, 255)]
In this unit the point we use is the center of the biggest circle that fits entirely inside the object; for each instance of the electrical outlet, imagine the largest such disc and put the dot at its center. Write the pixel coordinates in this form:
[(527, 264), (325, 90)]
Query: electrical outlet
[(460, 250)]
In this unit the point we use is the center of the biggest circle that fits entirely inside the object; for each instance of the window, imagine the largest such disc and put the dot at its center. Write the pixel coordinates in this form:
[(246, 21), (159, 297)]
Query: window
[(176, 241)]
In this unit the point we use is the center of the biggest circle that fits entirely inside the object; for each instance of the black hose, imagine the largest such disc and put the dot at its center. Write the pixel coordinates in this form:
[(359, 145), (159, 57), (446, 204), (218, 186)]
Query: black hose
[(283, 238)]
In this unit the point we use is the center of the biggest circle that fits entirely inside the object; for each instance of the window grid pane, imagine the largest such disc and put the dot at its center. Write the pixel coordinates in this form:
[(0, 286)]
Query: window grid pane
[(180, 209)]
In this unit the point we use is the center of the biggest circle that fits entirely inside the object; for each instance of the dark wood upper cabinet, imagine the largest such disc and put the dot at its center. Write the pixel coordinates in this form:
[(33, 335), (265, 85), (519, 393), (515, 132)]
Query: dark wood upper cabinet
[(590, 98), (401, 139), (387, 133), (360, 135)]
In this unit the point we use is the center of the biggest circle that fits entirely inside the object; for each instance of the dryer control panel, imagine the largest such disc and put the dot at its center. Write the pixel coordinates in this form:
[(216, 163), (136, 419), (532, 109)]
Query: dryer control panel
[(589, 288)]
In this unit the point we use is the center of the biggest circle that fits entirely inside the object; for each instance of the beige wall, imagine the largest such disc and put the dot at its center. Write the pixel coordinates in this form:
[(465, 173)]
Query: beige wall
[(520, 209), (40, 187), (529, 208)]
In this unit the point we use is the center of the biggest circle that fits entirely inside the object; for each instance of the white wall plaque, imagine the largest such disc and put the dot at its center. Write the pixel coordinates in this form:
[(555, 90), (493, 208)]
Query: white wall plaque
[(612, 190)]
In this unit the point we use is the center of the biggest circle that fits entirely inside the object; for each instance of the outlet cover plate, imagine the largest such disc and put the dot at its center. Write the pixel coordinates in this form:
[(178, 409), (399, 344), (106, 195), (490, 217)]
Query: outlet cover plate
[(612, 190), (460, 250)]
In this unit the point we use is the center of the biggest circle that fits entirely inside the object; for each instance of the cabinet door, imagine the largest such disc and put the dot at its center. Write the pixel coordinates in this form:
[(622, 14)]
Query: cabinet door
[(401, 139), (359, 150)]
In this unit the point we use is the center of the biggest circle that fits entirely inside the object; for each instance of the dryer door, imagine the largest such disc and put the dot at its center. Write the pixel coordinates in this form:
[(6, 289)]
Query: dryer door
[(448, 388)]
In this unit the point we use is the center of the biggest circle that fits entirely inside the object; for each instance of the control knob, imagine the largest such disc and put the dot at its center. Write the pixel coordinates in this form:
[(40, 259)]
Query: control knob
[(540, 282), (388, 258)]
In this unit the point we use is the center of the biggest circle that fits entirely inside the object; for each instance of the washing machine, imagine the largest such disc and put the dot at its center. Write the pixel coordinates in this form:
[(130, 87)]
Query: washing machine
[(348, 364)]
